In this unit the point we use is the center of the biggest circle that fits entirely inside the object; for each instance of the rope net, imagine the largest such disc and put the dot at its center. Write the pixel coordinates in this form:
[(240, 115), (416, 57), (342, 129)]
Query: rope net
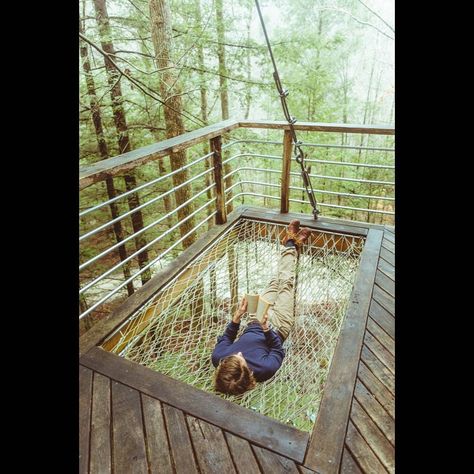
[(176, 331)]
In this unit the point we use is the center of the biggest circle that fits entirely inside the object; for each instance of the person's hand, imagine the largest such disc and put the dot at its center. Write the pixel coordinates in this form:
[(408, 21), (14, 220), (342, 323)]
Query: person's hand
[(240, 311), (264, 322)]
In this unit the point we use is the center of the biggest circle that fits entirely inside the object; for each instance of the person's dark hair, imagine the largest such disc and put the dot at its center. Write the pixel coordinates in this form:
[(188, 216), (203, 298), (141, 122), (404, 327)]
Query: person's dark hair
[(233, 376)]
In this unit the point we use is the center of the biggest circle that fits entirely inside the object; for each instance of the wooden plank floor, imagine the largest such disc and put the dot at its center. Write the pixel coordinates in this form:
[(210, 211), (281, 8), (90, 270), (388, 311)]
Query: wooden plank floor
[(370, 439), (123, 429), (135, 420)]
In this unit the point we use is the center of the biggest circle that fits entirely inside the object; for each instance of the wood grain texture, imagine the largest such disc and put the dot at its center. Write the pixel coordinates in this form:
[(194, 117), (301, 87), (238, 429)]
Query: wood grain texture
[(272, 463), (240, 421), (158, 449), (373, 436), (323, 223), (210, 446), (381, 336), (129, 451), (389, 245), (378, 369), (361, 452), (119, 165), (379, 350), (101, 455), (385, 283), (389, 235), (285, 172), (386, 268), (383, 318), (319, 127), (327, 440), (242, 454), (380, 417), (85, 403), (387, 255), (216, 149), (348, 464), (305, 470), (384, 299), (180, 442), (377, 389)]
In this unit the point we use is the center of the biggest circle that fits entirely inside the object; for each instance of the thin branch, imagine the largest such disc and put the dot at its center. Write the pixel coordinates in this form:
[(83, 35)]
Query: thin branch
[(140, 85), (357, 19), (376, 14), (126, 51), (144, 125), (141, 11), (228, 77)]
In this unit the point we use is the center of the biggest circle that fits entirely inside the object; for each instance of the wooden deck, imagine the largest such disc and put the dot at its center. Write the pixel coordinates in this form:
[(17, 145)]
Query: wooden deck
[(133, 419), (370, 440)]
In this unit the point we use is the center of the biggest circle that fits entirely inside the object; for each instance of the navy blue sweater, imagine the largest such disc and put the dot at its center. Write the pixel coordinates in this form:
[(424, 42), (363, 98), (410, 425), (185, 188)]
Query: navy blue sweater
[(262, 350)]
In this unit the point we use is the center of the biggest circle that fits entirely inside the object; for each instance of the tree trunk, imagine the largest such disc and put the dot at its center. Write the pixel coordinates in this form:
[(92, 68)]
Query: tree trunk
[(221, 58), (248, 91), (161, 34), (366, 107), (120, 121), (104, 153), (224, 93), (168, 201), (203, 91)]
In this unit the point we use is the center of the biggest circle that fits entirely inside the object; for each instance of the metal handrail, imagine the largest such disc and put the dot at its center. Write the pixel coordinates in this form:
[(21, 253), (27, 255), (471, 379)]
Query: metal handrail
[(141, 206), (318, 145), (292, 173), (321, 191), (146, 267), (152, 224), (328, 162), (125, 162), (306, 202), (140, 250), (145, 185)]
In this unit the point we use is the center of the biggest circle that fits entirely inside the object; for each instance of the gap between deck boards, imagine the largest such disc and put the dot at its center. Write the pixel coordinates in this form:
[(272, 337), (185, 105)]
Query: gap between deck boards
[(254, 427)]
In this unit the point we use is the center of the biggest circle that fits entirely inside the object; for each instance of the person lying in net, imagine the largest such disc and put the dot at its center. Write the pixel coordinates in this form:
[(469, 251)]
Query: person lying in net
[(258, 353)]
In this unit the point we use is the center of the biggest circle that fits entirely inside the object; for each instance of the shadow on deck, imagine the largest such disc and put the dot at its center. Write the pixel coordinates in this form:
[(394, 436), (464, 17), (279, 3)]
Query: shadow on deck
[(133, 419)]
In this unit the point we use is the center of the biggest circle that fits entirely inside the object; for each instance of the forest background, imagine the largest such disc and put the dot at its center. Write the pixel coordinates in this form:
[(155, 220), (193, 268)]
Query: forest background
[(152, 69)]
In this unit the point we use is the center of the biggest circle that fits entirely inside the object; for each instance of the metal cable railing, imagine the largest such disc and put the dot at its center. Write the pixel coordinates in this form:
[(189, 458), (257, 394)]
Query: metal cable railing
[(334, 178), (142, 206), (321, 191), (246, 185), (316, 145), (143, 186), (145, 247), (269, 196)]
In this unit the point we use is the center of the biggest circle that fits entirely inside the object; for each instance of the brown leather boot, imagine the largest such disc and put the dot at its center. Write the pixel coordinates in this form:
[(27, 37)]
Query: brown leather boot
[(302, 236), (291, 231)]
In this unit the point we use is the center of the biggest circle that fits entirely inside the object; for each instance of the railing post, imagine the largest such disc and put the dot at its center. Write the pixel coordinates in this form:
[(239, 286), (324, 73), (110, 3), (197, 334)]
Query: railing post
[(285, 172), (216, 149)]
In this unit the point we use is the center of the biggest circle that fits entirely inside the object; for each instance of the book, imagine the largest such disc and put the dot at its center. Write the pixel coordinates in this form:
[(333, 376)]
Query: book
[(257, 305)]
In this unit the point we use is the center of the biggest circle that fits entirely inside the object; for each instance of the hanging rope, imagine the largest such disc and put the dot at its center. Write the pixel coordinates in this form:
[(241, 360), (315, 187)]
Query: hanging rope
[(299, 154)]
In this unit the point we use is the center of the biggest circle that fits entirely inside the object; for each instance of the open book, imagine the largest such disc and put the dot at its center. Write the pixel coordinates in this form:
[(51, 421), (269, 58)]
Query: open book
[(257, 305)]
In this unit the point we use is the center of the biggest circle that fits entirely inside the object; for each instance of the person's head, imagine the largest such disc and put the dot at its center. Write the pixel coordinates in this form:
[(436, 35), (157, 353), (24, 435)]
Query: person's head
[(233, 375)]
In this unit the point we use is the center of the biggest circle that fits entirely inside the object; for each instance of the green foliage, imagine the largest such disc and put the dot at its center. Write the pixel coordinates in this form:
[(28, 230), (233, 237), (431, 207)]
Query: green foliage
[(336, 71)]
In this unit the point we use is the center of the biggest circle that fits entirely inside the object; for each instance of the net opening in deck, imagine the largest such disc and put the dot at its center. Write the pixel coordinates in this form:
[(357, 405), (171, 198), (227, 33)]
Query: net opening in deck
[(176, 331)]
